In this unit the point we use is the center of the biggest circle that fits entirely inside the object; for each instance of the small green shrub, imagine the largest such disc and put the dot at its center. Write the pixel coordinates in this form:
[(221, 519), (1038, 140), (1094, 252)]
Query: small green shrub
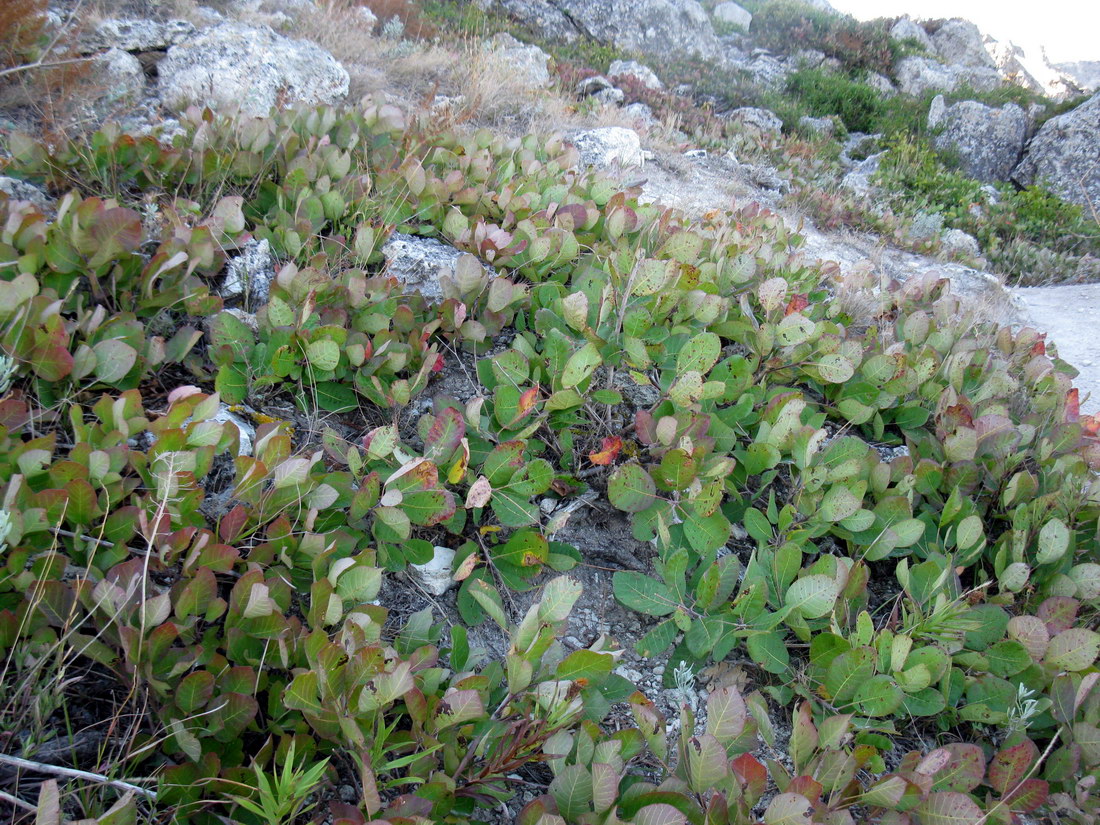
[(826, 93)]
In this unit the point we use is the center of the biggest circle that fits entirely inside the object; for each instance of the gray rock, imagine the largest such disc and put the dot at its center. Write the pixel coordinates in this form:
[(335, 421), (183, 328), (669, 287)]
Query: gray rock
[(437, 575), (245, 428), (925, 225), (135, 35), (907, 29), (602, 89), (917, 75), (1065, 155), (418, 263), (369, 18), (114, 83), (664, 28), (959, 43), (957, 242), (733, 15), (881, 83), (527, 63), (639, 71), (233, 65), (20, 190), (760, 121), (1084, 73), (818, 125), (987, 140), (609, 146), (249, 275), (768, 70), (859, 180), (640, 112)]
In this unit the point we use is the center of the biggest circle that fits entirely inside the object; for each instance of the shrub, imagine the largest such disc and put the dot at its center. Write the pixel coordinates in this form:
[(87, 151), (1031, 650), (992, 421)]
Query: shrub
[(825, 93)]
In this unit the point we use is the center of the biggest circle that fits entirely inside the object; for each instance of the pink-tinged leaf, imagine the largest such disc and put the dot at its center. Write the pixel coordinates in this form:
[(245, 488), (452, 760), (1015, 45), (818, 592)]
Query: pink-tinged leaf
[(1032, 633), (788, 809), (807, 786), (1010, 765), (726, 713), (965, 770), (527, 401), (948, 808), (1059, 613), (753, 775), (114, 233), (1029, 796), (797, 303), (659, 814), (706, 762), (480, 493), (458, 706), (605, 786), (48, 811), (934, 762), (608, 452), (886, 792), (444, 435), (1073, 404), (1074, 649)]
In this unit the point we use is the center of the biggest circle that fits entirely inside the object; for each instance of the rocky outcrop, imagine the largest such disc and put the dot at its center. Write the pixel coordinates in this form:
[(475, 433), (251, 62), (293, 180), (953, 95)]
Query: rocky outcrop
[(609, 146), (1085, 73), (907, 29), (135, 35), (233, 65), (659, 27), (1065, 155), (602, 89), (639, 71), (419, 262), (987, 140), (917, 75), (526, 63), (959, 43), (760, 121), (732, 14)]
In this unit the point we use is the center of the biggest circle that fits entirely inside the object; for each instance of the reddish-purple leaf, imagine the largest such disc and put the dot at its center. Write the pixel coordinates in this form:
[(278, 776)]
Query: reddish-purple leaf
[(1010, 765)]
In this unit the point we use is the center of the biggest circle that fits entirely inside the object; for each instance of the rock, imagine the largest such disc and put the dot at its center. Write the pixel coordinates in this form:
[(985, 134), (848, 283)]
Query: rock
[(925, 225), (764, 176), (419, 262), (1065, 155), (233, 65), (917, 75), (114, 83), (818, 125), (20, 190), (907, 29), (528, 64), (135, 35), (368, 17), (733, 15), (768, 70), (639, 71), (760, 121), (250, 274), (640, 112), (609, 146), (245, 428), (881, 83), (602, 89), (859, 179), (957, 242), (988, 140), (665, 28), (437, 575), (959, 43), (1084, 73)]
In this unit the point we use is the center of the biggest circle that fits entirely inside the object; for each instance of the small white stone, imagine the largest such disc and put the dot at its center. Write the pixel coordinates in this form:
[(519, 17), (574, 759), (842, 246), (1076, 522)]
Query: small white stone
[(437, 575)]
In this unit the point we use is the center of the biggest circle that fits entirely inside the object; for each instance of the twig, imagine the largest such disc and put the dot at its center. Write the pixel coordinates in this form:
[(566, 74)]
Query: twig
[(41, 767), (17, 802)]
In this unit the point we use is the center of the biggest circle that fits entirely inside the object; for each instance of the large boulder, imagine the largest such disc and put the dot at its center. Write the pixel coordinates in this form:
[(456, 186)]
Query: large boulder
[(917, 75), (959, 43), (733, 15), (987, 140), (609, 146), (1065, 155), (252, 68), (1084, 73), (907, 29), (665, 28), (528, 64), (135, 35), (758, 121)]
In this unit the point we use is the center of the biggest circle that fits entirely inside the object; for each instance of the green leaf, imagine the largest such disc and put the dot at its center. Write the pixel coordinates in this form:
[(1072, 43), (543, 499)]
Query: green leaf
[(572, 791), (949, 808), (878, 696), (584, 664), (839, 503), (558, 597), (1053, 542), (643, 594), (581, 365), (630, 488), (812, 596), (700, 354), (769, 651), (114, 360), (1074, 649), (324, 354), (789, 809)]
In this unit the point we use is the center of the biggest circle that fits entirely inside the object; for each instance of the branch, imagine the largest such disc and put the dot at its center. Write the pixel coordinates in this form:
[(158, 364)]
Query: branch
[(17, 802), (57, 770)]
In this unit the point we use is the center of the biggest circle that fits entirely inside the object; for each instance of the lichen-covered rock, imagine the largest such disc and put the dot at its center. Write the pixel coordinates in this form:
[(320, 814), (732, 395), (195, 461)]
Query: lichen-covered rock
[(818, 125), (666, 28), (639, 71), (881, 84), (526, 63), (733, 15), (437, 575), (602, 89), (135, 34), (756, 120), (418, 263), (609, 146), (957, 242), (959, 43), (1065, 155), (20, 190), (249, 275), (987, 140), (917, 75), (114, 82), (907, 29), (251, 68)]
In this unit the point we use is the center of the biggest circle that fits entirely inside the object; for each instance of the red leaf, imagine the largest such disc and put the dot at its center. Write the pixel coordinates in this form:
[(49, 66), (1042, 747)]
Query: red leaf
[(1040, 347), (1010, 765), (1030, 795), (609, 451), (528, 400), (1073, 405), (438, 365), (231, 524), (797, 304)]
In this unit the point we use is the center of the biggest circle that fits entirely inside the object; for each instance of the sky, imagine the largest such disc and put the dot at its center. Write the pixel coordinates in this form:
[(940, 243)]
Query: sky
[(1068, 29)]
